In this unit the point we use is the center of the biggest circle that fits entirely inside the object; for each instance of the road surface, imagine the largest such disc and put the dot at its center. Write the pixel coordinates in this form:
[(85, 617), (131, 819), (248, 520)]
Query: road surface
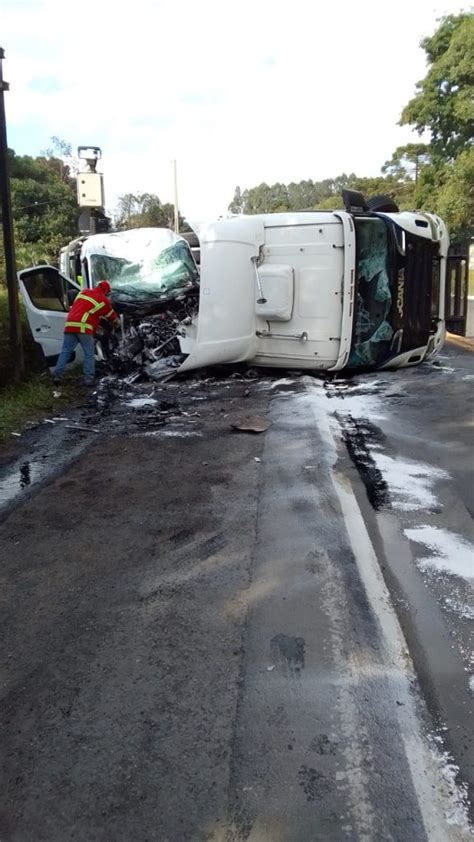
[(216, 635)]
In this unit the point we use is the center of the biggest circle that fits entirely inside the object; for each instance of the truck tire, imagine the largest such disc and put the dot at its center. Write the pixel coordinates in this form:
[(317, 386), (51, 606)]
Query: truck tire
[(382, 204)]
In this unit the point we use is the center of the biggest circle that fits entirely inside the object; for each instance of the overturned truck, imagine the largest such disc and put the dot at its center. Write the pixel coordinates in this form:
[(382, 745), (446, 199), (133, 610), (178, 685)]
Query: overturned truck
[(360, 288)]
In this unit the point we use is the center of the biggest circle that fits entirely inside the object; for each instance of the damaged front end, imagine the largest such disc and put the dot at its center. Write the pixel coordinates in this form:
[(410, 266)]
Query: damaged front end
[(155, 290), (172, 318)]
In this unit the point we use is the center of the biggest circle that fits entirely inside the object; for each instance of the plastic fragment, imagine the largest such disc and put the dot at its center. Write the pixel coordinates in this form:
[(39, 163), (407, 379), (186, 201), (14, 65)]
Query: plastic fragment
[(251, 424)]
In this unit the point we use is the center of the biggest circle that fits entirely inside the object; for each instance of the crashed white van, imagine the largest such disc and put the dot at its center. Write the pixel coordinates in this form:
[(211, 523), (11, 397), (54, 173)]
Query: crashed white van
[(306, 290)]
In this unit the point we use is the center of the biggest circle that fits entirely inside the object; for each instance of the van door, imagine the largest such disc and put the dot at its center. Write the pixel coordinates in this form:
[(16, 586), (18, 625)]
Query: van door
[(47, 296)]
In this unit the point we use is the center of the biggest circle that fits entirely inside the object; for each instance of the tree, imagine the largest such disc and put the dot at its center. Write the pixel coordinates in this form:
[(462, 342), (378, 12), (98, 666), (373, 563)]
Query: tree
[(407, 161), (59, 155), (236, 203), (449, 191), (44, 208), (322, 195), (444, 102), (145, 210)]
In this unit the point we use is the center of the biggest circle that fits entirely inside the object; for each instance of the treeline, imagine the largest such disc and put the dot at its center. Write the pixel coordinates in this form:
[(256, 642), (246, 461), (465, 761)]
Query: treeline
[(145, 210), (45, 209), (438, 176), (319, 195), (44, 204)]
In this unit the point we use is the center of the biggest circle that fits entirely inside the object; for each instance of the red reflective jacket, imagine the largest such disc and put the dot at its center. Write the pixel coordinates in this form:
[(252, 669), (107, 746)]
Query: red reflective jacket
[(90, 305)]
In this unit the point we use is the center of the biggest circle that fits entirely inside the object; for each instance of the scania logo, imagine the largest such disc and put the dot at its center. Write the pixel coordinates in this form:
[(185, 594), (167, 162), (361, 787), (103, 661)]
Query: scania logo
[(400, 292)]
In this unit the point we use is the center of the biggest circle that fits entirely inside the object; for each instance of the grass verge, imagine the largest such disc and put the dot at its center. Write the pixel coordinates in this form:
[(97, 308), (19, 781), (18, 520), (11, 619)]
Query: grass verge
[(32, 399)]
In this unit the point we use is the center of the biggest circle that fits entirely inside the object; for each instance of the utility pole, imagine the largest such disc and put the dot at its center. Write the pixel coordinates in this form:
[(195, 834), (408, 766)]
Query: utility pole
[(16, 343), (176, 207)]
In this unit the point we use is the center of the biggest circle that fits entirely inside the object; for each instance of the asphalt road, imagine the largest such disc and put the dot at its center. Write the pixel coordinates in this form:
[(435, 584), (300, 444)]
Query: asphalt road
[(213, 635)]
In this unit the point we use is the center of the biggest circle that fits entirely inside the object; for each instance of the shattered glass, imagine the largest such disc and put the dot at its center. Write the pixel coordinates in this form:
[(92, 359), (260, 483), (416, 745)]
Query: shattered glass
[(155, 289), (145, 267), (365, 350), (372, 329)]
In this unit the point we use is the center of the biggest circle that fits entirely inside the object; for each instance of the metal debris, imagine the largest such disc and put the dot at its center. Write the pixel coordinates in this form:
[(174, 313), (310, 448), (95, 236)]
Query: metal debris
[(150, 347), (165, 368), (81, 428)]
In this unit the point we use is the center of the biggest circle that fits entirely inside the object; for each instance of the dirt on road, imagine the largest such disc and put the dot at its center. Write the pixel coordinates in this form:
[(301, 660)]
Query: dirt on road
[(204, 634), (123, 596)]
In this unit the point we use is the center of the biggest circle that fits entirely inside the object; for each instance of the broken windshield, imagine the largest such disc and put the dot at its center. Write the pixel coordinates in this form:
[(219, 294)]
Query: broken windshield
[(373, 332), (143, 267)]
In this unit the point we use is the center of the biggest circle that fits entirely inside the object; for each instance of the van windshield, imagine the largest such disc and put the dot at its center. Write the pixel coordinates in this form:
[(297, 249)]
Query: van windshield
[(147, 277)]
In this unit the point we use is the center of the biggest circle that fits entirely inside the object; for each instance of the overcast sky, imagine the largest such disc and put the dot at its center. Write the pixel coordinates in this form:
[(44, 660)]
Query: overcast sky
[(238, 92)]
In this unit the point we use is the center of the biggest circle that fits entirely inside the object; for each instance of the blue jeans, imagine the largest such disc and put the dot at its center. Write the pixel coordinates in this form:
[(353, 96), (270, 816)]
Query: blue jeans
[(86, 340)]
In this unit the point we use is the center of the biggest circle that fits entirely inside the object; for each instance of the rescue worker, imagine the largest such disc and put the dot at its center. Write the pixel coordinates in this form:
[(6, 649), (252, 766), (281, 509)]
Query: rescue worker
[(90, 305)]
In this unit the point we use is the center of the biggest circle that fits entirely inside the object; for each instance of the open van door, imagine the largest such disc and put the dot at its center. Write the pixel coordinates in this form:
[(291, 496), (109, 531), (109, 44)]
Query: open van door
[(47, 296)]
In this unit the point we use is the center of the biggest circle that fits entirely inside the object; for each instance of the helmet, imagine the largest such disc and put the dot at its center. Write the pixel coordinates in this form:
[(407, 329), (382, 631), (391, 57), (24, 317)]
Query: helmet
[(105, 287)]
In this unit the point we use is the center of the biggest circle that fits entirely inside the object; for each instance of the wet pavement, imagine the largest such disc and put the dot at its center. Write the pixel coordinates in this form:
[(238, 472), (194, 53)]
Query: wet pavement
[(217, 635)]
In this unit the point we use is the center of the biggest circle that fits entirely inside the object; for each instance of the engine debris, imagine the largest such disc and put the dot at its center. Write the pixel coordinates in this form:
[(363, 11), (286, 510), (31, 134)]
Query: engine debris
[(150, 347)]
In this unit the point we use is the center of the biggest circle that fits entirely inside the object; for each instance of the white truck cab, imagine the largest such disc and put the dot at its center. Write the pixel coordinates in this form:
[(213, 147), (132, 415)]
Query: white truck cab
[(320, 290), (306, 290)]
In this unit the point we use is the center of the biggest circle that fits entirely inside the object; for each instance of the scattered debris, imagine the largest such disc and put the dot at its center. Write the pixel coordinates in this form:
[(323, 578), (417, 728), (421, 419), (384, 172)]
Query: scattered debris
[(16, 434), (283, 381), (257, 458), (81, 428), (176, 434), (25, 475), (56, 394), (251, 424), (138, 403), (165, 368), (150, 346)]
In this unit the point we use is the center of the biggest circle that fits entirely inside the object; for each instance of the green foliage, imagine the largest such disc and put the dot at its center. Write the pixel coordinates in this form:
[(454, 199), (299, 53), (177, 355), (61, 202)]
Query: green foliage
[(450, 187), (319, 195), (236, 203), (145, 210), (438, 176), (44, 207), (444, 102), (407, 161)]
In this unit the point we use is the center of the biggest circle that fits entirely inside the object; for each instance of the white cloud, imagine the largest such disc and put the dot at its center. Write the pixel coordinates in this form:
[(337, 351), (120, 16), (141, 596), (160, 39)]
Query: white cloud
[(238, 93)]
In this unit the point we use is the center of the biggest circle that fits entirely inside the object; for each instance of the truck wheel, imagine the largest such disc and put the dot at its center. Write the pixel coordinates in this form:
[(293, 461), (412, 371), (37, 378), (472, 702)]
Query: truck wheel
[(382, 204)]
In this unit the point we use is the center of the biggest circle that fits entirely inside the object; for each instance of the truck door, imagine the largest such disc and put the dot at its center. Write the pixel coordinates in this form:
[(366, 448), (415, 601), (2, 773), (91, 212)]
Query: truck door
[(47, 296), (457, 283)]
